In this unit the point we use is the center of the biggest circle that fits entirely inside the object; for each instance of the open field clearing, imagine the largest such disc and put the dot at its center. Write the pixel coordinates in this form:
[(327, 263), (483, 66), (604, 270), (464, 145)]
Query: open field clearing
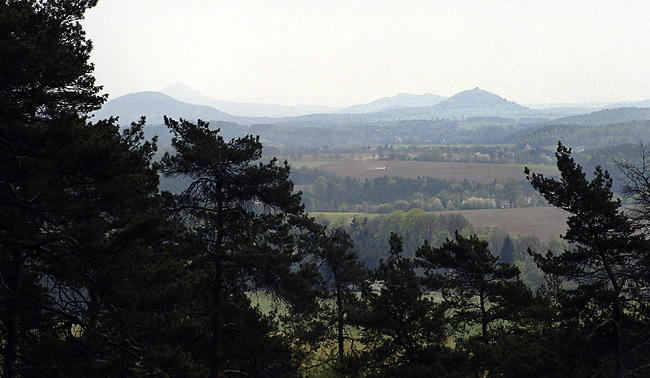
[(476, 172), (543, 222), (311, 164)]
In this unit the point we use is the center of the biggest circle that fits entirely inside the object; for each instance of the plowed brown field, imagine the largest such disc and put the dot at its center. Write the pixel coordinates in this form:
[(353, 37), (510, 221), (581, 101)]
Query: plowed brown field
[(477, 172), (543, 222)]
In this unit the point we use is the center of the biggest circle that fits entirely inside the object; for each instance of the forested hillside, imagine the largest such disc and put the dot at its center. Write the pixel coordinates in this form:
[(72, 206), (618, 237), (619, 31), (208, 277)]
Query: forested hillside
[(104, 273), (588, 136), (609, 116)]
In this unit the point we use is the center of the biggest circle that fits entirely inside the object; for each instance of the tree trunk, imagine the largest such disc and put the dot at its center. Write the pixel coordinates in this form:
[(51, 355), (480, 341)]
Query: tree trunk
[(618, 309), (219, 287), (217, 321), (484, 319), (13, 318), (339, 308)]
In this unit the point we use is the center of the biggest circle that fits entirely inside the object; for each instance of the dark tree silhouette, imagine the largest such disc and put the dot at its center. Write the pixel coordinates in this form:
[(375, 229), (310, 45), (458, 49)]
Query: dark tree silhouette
[(244, 220), (604, 293)]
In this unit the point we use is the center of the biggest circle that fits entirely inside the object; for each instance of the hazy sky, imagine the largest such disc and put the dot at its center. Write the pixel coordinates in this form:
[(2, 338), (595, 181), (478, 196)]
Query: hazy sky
[(341, 53)]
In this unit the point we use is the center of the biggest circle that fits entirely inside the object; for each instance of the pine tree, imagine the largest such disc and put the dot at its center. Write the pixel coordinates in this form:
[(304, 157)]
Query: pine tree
[(476, 288), (342, 273), (402, 328), (245, 221), (604, 296), (82, 225), (44, 80), (44, 67), (508, 253), (85, 247)]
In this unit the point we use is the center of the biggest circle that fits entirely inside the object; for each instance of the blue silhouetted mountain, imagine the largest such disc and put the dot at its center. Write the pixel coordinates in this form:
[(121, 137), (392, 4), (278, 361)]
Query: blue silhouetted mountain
[(402, 100), (478, 99), (155, 105), (184, 93), (471, 103)]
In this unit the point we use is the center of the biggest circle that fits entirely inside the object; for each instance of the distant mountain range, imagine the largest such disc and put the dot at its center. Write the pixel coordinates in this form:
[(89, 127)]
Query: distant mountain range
[(640, 104), (402, 100), (186, 94), (470, 103), (155, 105), (179, 101)]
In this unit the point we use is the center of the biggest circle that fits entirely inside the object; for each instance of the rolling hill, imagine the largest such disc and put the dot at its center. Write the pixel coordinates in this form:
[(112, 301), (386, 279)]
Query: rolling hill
[(402, 100), (155, 105), (608, 116), (478, 99), (184, 93), (471, 103)]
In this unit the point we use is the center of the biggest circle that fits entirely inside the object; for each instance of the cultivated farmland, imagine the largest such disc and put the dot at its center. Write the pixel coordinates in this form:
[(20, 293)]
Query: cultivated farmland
[(545, 223), (476, 172)]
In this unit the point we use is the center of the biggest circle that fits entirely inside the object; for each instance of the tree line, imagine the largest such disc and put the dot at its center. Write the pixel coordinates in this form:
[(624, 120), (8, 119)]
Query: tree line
[(383, 195), (371, 234), (102, 274)]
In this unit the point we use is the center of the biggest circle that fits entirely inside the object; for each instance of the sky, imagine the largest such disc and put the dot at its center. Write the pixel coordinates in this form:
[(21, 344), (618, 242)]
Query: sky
[(346, 52)]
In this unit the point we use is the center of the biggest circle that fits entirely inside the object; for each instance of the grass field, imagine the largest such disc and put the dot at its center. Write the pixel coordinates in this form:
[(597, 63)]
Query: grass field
[(444, 170)]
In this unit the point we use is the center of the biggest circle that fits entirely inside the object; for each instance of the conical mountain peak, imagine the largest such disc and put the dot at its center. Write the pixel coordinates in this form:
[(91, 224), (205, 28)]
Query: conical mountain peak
[(478, 99)]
